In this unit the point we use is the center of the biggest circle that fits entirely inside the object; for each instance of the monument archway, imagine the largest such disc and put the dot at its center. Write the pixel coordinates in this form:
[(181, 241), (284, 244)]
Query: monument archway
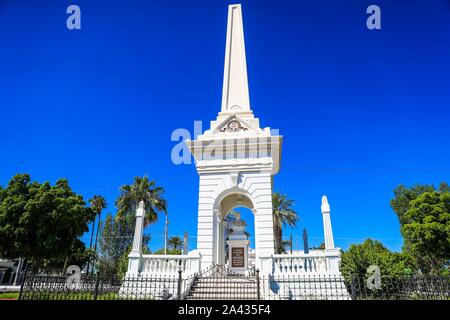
[(226, 203), (221, 192)]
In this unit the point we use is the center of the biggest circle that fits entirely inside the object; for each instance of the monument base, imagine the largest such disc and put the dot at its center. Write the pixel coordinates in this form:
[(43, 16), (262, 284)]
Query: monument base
[(238, 256)]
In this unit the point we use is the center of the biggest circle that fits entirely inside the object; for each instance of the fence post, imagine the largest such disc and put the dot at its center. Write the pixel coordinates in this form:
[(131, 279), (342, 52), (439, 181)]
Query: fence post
[(23, 281), (258, 294), (180, 279), (97, 282), (353, 287)]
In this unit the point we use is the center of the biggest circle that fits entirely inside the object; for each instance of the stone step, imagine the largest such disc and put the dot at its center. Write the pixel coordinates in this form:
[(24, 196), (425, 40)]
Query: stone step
[(227, 295), (224, 290), (226, 277), (225, 286), (226, 280), (237, 283)]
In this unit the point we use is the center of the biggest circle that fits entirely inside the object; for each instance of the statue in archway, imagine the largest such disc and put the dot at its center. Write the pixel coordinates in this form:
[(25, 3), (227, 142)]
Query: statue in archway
[(235, 224)]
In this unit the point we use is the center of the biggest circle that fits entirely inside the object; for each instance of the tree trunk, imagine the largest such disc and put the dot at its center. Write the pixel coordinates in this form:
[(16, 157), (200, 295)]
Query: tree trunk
[(90, 245), (166, 233), (277, 230), (96, 238), (65, 265), (278, 239), (36, 264)]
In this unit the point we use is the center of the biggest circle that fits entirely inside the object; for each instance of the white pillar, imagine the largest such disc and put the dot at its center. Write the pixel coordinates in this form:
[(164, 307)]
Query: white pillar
[(221, 242), (217, 239), (263, 212), (235, 97), (328, 232), (135, 255)]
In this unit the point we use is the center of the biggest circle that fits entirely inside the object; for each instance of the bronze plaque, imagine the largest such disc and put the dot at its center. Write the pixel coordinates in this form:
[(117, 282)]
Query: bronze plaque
[(237, 257)]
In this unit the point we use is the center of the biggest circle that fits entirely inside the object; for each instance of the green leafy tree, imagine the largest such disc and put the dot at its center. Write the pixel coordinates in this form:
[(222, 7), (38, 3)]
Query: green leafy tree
[(122, 266), (426, 228), (357, 259), (283, 215), (111, 246), (403, 196), (170, 251), (41, 221), (423, 215), (114, 248), (79, 256)]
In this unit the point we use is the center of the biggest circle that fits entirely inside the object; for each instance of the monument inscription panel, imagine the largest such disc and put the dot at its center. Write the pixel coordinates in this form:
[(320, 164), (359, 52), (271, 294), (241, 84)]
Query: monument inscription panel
[(237, 257)]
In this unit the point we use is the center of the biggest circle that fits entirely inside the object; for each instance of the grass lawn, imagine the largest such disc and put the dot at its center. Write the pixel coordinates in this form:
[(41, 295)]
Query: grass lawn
[(9, 295)]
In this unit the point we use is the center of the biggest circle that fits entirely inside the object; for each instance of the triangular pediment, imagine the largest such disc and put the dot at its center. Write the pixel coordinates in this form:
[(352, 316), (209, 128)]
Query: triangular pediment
[(234, 124)]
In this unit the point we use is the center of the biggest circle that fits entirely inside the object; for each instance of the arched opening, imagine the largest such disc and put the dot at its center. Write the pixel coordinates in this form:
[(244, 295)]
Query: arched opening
[(246, 216), (235, 230)]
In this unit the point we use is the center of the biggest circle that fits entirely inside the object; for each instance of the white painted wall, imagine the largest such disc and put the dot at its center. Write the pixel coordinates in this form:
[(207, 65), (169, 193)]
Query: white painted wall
[(214, 187)]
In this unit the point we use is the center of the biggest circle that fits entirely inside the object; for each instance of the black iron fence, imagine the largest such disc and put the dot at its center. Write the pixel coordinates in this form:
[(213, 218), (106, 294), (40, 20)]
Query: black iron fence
[(400, 288), (218, 284), (97, 287)]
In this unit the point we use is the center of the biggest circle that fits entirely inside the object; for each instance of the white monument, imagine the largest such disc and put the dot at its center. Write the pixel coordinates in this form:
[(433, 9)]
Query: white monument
[(235, 159)]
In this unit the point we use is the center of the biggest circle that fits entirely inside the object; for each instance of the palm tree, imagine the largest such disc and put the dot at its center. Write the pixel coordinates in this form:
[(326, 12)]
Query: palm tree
[(283, 214), (98, 203), (145, 190), (175, 243)]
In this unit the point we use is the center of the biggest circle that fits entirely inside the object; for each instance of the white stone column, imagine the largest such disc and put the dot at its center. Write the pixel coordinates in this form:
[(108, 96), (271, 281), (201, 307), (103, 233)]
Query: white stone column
[(263, 211), (134, 258), (327, 230), (217, 238), (206, 223), (222, 242)]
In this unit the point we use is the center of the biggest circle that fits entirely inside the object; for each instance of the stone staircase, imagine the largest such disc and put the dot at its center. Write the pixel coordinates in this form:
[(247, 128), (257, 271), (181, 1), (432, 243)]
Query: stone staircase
[(223, 287)]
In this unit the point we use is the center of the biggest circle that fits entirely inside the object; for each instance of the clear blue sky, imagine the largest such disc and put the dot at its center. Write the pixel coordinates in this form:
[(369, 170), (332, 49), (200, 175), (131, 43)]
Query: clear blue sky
[(360, 111)]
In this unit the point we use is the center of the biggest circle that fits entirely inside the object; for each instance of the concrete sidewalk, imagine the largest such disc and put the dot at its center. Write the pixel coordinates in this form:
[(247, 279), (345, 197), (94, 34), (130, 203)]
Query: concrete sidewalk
[(9, 288)]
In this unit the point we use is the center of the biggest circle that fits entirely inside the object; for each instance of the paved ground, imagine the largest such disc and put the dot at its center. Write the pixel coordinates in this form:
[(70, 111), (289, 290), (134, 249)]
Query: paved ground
[(4, 288)]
